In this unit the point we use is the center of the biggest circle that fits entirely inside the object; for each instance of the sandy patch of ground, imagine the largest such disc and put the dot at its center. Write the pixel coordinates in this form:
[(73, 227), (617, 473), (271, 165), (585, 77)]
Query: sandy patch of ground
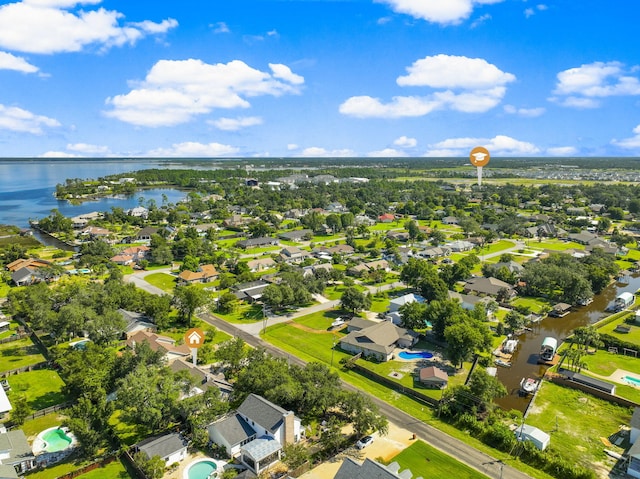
[(385, 447)]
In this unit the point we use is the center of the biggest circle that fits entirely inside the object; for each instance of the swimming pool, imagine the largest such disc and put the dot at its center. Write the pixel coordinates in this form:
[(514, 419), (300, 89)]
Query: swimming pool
[(202, 469), (415, 355), (631, 380), (54, 439)]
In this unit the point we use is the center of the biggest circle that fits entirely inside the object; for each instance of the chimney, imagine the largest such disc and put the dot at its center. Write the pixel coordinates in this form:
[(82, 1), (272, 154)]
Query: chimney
[(288, 436)]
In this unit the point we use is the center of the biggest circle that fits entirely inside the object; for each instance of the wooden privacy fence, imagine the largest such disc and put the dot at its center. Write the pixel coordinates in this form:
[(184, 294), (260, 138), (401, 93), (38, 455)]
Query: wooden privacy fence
[(31, 367)]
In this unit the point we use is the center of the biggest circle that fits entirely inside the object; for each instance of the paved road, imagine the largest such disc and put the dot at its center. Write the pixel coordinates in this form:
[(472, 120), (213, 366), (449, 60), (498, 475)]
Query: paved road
[(448, 444)]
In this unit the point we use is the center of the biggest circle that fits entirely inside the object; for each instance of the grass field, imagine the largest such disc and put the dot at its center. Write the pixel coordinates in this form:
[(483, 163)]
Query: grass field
[(164, 281), (426, 461), (32, 427), (42, 388), (576, 422), (113, 470), (18, 354)]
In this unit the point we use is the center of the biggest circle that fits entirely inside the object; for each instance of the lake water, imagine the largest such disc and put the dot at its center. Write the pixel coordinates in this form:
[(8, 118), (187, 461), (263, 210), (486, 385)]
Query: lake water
[(27, 186)]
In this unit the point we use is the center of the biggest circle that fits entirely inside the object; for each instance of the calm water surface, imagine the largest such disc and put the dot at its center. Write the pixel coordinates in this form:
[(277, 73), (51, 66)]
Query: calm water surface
[(525, 359), (27, 186)]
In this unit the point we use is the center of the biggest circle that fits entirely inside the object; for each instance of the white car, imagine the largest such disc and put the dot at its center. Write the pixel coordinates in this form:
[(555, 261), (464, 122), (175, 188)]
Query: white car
[(364, 442)]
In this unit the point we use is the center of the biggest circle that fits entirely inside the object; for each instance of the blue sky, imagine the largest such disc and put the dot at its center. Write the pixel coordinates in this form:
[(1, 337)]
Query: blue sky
[(295, 78)]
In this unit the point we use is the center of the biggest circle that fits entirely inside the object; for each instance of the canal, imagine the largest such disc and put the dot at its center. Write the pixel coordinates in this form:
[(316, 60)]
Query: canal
[(525, 360)]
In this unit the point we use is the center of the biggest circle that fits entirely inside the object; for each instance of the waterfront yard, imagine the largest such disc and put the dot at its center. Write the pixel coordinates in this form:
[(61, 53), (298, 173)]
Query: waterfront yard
[(576, 422)]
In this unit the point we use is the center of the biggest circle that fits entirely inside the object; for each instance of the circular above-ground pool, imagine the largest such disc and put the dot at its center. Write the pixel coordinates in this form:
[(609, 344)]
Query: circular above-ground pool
[(415, 355), (54, 439), (201, 469)]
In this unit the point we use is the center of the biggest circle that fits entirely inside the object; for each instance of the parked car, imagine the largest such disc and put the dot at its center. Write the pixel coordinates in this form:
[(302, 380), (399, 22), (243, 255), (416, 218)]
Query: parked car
[(364, 442)]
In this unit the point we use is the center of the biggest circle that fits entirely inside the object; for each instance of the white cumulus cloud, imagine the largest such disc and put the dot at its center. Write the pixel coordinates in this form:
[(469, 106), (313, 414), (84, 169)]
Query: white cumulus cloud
[(50, 26), (405, 142), (316, 151), (190, 149), (498, 145), (444, 12), (386, 153), (89, 149), (461, 83), (524, 112), (562, 151), (17, 119), (174, 91), (12, 62), (630, 143), (583, 86), (234, 124)]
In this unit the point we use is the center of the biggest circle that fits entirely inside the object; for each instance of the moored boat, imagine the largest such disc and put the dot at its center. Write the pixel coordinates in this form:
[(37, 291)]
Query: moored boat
[(529, 385), (548, 349)]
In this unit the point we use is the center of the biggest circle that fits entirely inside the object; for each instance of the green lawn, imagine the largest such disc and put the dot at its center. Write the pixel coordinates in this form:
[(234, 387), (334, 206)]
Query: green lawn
[(18, 354), (42, 388), (581, 421), (178, 332), (164, 281), (113, 470), (128, 434), (32, 427), (624, 318), (427, 461)]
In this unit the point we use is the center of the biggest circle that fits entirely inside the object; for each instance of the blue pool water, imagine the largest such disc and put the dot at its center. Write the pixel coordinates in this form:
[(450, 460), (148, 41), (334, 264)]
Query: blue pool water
[(419, 355), (633, 381), (201, 469)]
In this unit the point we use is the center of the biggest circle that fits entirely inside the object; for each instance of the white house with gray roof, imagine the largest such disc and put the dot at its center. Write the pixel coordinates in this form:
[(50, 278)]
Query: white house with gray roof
[(256, 432), (15, 453), (171, 448)]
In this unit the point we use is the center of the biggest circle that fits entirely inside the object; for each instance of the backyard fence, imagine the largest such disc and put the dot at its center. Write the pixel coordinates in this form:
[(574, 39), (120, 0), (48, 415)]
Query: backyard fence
[(565, 381), (395, 386), (88, 468), (31, 367), (41, 412), (128, 458), (13, 338)]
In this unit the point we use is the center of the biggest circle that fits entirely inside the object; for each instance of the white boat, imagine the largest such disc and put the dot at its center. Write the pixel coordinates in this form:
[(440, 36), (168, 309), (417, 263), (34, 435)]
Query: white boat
[(504, 364), (548, 349), (529, 385)]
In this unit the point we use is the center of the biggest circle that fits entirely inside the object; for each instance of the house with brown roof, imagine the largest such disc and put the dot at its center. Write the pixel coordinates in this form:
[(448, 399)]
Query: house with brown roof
[(293, 254), (378, 341), (205, 274), (160, 343), (261, 264), (27, 263), (433, 378), (488, 286)]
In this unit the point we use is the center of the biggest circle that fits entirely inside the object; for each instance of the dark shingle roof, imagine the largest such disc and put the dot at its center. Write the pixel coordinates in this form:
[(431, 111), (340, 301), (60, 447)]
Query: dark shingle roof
[(234, 429), (162, 446), (263, 412)]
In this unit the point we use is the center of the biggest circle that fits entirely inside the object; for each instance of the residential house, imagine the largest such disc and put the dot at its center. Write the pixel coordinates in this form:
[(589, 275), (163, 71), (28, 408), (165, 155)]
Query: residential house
[(27, 276), (469, 301), (257, 242), (293, 254), (261, 264), (363, 220), (16, 456), (584, 237), (387, 218), (363, 268), (460, 246), (96, 233), (138, 212), (450, 220), (204, 228), (235, 222), (378, 341), (296, 235), (136, 322), (171, 448), (256, 432), (433, 252), (370, 469), (204, 380), (432, 377), (488, 286), (159, 343), (27, 263), (132, 255), (250, 291), (398, 235), (513, 267), (146, 233), (396, 303), (205, 274)]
